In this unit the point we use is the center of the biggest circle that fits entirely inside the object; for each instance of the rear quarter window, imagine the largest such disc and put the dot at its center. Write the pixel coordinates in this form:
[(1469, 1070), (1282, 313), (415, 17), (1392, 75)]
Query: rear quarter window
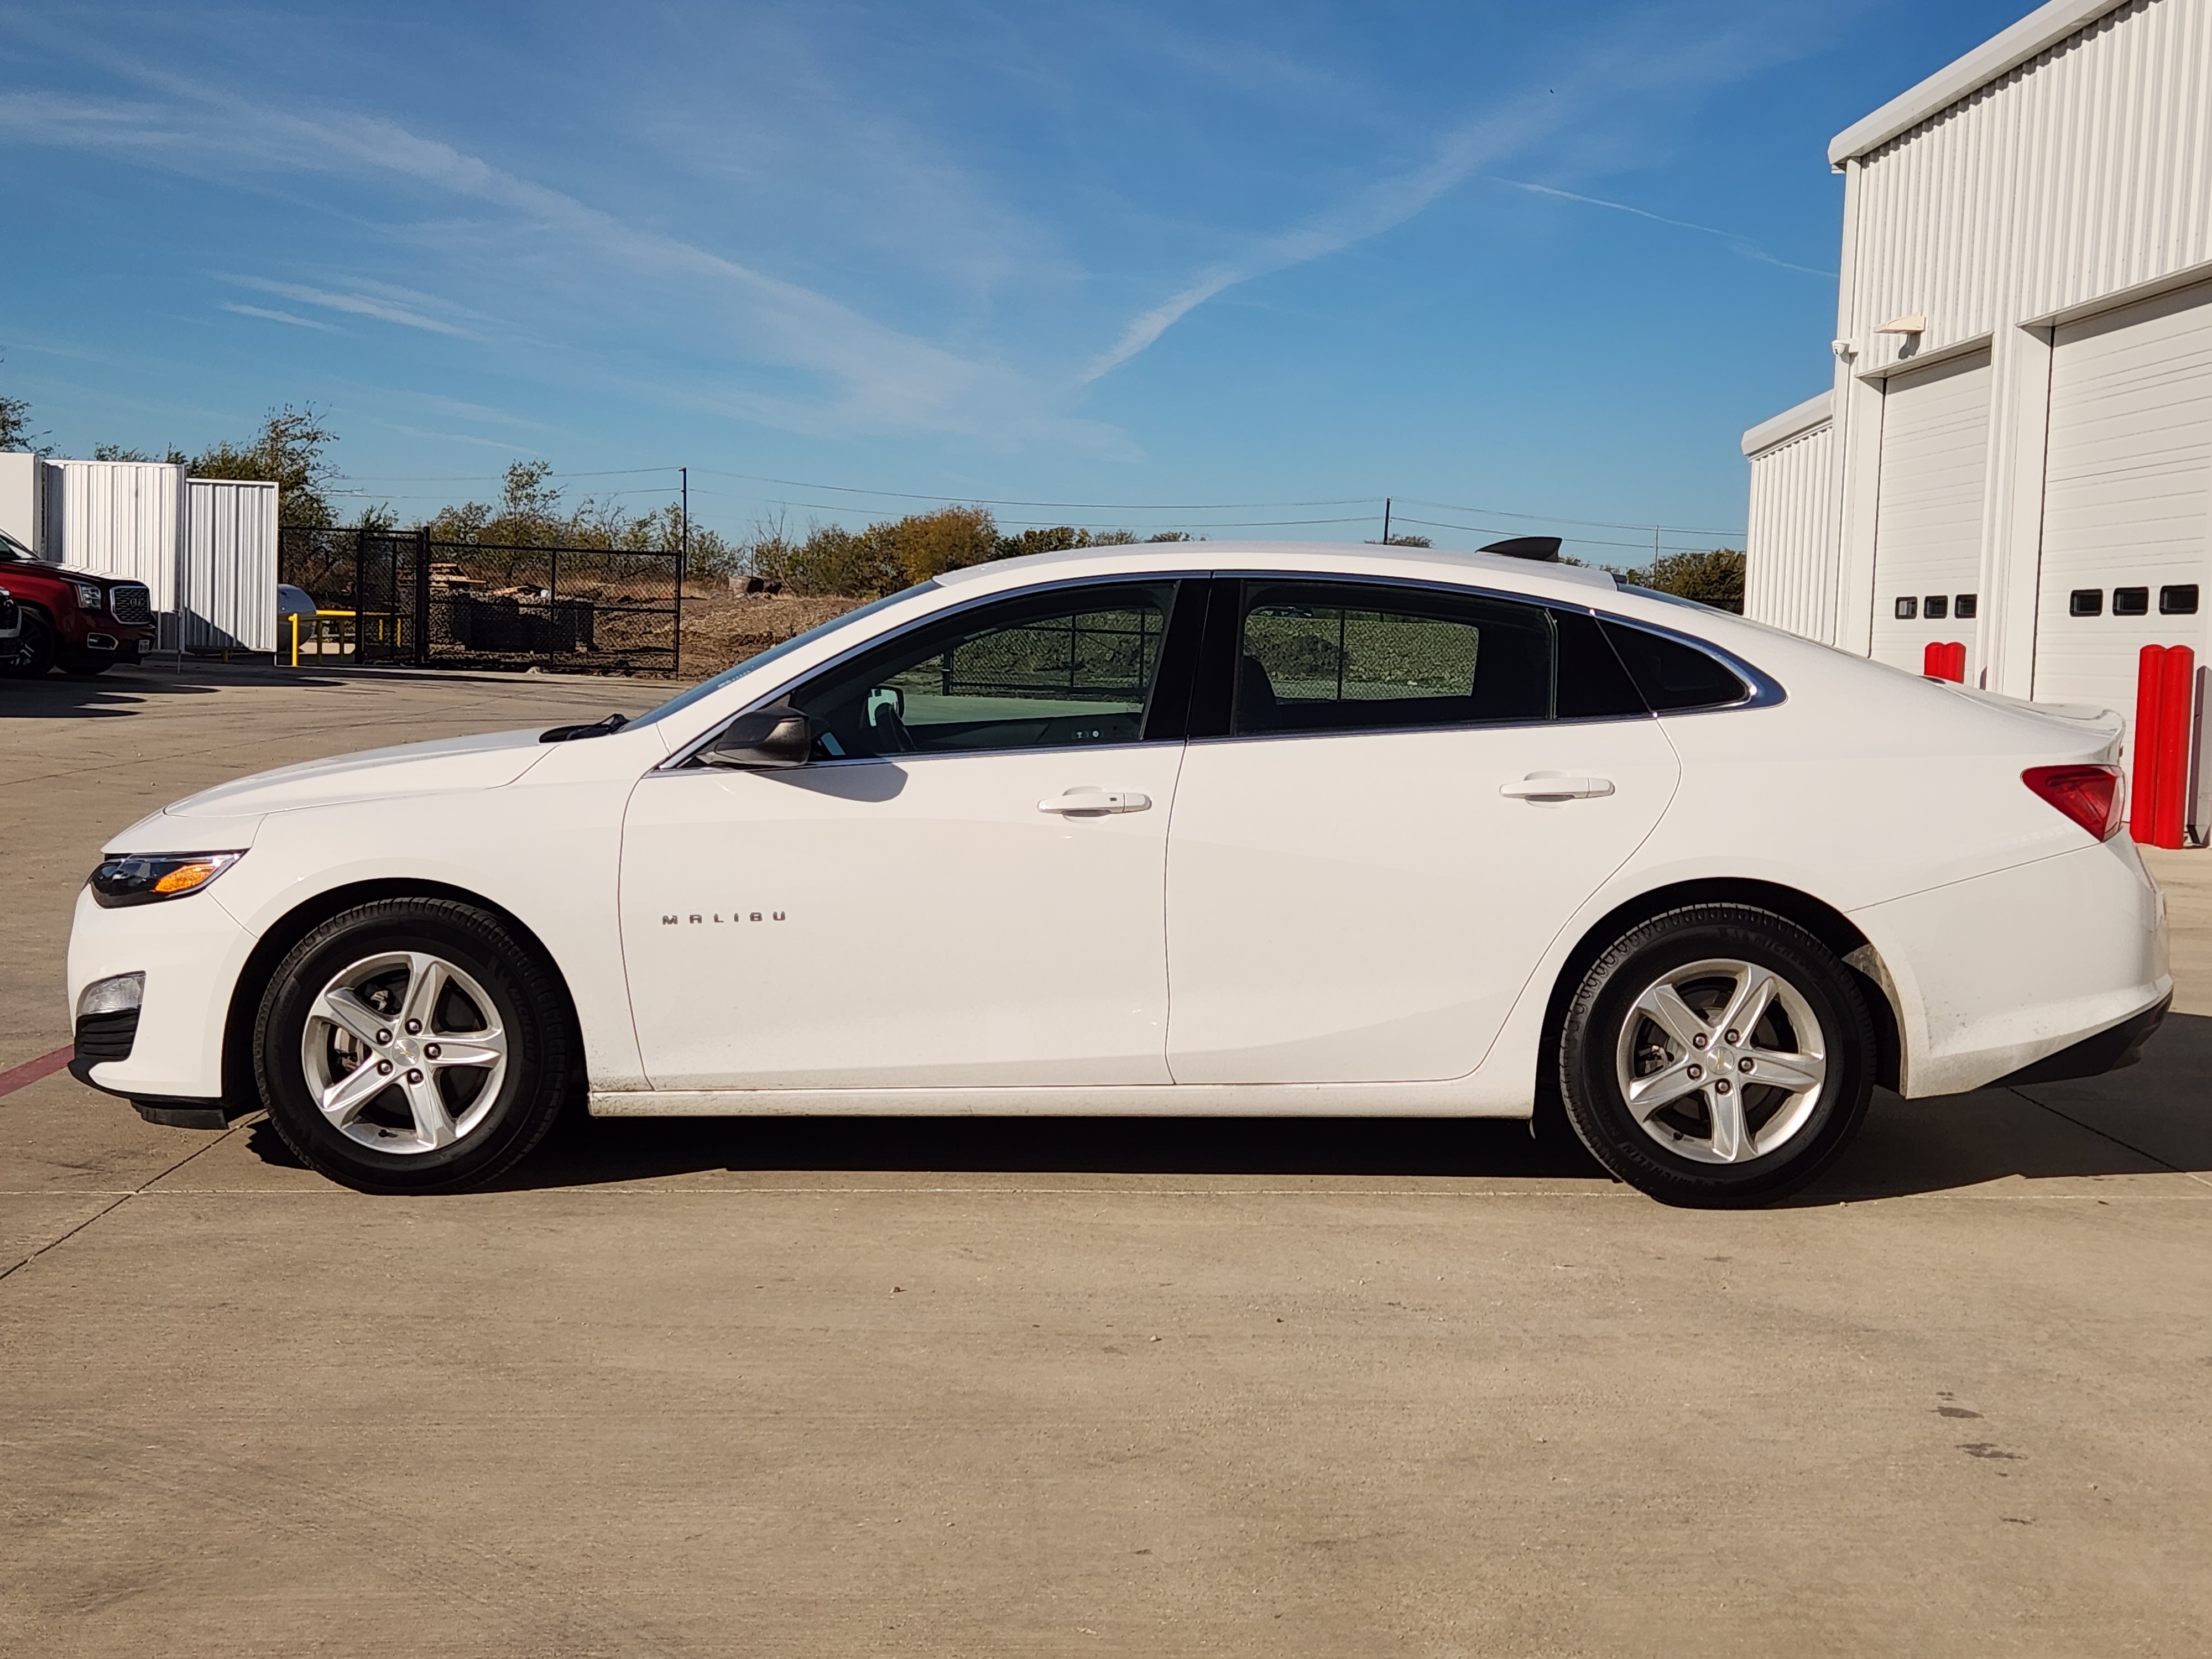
[(1673, 677)]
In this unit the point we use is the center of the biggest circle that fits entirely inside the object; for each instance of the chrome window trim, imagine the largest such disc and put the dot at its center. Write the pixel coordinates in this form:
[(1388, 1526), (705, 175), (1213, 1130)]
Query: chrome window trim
[(1766, 692)]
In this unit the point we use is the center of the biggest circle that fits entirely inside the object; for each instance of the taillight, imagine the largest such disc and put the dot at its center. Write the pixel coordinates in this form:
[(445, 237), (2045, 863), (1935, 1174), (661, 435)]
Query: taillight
[(2090, 795)]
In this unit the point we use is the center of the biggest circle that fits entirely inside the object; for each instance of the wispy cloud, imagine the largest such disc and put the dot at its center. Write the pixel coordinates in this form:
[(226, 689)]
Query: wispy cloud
[(1738, 244), (1381, 206), (1652, 55), (886, 379), (353, 305), (267, 315)]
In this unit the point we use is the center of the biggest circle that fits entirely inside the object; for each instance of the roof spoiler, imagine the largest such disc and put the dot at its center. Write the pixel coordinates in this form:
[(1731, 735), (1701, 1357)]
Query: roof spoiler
[(1543, 548)]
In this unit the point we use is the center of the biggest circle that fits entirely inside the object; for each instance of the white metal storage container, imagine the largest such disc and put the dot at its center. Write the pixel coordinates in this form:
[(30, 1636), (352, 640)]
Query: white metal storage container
[(227, 588), (121, 519)]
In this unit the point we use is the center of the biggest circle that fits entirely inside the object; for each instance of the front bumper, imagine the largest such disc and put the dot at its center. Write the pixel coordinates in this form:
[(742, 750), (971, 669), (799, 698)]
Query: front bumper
[(192, 951)]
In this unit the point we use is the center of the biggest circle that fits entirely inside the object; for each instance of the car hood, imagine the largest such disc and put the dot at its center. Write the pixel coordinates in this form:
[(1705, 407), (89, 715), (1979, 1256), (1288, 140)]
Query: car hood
[(484, 762)]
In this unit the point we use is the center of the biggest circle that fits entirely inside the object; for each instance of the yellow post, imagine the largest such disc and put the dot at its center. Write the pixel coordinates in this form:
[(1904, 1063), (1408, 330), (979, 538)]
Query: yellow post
[(296, 639)]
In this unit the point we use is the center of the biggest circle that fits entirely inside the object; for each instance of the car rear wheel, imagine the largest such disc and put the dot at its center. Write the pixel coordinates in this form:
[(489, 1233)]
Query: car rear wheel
[(31, 654), (413, 1046), (1716, 1055)]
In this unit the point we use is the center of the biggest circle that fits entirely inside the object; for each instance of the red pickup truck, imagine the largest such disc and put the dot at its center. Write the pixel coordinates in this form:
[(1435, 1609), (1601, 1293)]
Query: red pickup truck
[(75, 620)]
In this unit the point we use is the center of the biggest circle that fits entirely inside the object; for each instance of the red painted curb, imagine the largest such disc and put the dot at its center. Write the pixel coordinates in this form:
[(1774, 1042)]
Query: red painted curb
[(32, 1070)]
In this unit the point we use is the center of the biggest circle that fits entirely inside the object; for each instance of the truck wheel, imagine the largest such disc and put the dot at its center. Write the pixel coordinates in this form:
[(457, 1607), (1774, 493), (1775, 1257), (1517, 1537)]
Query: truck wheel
[(413, 1046), (1716, 1055), (31, 654)]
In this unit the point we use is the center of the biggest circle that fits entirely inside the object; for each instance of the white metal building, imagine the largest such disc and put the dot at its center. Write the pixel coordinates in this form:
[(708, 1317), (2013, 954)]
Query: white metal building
[(206, 548), (2016, 451)]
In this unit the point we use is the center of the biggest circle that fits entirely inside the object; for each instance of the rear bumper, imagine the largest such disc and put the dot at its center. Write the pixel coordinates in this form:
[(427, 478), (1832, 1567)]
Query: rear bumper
[(2111, 1051), (1994, 976)]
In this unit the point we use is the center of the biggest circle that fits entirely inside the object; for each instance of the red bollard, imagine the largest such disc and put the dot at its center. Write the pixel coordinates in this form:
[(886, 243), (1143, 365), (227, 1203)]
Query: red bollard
[(2176, 702), (2150, 695), (1944, 662)]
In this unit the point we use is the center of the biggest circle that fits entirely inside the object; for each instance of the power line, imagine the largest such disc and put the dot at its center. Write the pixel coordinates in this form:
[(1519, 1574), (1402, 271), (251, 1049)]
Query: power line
[(1094, 506), (1555, 517), (1578, 541)]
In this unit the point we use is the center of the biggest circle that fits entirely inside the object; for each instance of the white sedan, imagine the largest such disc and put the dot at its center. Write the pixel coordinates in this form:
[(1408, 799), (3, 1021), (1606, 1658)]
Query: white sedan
[(1258, 830)]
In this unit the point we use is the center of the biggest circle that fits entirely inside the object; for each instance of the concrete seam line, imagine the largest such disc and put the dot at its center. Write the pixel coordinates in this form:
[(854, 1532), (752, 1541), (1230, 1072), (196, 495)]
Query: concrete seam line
[(33, 1071), (109, 1208), (2109, 1136)]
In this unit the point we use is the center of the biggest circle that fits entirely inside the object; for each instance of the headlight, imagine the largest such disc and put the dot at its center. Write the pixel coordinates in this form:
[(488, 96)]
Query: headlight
[(87, 595), (149, 878)]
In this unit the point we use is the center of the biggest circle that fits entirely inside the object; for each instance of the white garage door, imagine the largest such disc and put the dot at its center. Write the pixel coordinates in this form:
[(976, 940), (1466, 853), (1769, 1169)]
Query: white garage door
[(1928, 523), (2124, 516)]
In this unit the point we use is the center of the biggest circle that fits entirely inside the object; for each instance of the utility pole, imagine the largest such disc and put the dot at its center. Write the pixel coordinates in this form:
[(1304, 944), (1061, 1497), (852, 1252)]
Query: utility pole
[(1385, 521), (683, 556), (1655, 552)]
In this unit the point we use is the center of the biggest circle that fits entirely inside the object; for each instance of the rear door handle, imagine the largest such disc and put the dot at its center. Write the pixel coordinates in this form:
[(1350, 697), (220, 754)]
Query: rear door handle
[(1088, 803), (1556, 786)]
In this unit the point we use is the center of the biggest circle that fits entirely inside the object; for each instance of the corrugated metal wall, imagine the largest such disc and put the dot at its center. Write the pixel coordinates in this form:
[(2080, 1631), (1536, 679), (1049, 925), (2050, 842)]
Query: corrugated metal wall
[(2085, 171), (227, 589), (121, 519), (1790, 577)]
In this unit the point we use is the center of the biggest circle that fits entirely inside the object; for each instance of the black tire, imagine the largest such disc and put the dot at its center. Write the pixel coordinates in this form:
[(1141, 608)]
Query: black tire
[(1668, 1160), (542, 1062), (86, 667), (32, 653)]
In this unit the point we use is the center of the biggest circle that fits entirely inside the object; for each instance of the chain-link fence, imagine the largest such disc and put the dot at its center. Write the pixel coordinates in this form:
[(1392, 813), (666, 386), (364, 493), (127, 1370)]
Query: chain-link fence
[(401, 597)]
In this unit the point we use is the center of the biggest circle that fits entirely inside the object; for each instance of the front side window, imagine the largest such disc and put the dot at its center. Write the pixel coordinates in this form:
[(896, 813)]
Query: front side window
[(1347, 657), (1074, 667)]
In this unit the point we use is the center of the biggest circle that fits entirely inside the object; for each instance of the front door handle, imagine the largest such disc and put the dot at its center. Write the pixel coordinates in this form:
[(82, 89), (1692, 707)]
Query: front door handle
[(1088, 803), (1556, 786)]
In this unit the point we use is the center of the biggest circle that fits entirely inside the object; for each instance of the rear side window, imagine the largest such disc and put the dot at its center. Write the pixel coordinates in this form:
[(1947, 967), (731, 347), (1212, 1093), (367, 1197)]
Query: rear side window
[(1349, 657), (1672, 676)]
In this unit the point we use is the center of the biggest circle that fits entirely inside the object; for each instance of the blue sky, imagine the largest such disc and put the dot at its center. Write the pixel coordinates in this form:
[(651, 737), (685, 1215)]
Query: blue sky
[(1541, 261)]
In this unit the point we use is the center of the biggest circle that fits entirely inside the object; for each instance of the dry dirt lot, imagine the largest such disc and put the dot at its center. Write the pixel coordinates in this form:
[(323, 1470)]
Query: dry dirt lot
[(828, 1388)]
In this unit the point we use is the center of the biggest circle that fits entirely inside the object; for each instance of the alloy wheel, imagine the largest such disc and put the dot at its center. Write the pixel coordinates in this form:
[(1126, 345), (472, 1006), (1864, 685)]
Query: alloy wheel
[(1721, 1060), (404, 1052)]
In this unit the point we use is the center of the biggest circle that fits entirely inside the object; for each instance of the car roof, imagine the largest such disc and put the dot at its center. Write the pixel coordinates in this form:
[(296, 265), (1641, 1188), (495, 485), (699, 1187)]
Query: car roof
[(1539, 579)]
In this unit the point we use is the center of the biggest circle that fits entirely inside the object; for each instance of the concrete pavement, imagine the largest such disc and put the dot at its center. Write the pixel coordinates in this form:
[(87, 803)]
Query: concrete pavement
[(1100, 1387)]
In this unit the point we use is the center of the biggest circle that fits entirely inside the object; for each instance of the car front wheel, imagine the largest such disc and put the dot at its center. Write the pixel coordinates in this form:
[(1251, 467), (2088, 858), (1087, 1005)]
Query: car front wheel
[(413, 1046), (31, 652), (1716, 1055)]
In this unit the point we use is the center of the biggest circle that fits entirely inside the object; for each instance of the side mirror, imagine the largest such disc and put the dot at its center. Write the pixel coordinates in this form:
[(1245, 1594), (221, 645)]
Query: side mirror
[(766, 739)]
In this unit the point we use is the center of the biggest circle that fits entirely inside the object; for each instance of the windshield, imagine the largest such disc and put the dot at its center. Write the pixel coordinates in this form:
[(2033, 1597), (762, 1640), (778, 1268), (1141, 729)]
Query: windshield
[(707, 687), (14, 552)]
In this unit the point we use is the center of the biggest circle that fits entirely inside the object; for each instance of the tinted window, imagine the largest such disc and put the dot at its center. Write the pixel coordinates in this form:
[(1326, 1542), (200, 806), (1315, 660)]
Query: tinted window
[(1908, 608), (1936, 607), (1344, 657), (1673, 676), (2085, 601), (1592, 683), (2132, 602), (1963, 611), (2179, 601), (1044, 671)]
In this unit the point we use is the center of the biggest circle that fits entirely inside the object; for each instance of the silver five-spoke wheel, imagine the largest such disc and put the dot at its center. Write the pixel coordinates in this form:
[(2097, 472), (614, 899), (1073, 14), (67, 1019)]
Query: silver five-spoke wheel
[(403, 1051), (1721, 1060)]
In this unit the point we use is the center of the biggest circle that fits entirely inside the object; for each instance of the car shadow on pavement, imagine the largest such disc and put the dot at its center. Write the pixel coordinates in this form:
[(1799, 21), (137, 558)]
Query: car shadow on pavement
[(2154, 1118), (117, 694)]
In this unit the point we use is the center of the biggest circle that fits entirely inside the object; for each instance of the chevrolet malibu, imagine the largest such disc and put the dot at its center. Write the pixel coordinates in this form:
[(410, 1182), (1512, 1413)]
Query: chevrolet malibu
[(1239, 830)]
